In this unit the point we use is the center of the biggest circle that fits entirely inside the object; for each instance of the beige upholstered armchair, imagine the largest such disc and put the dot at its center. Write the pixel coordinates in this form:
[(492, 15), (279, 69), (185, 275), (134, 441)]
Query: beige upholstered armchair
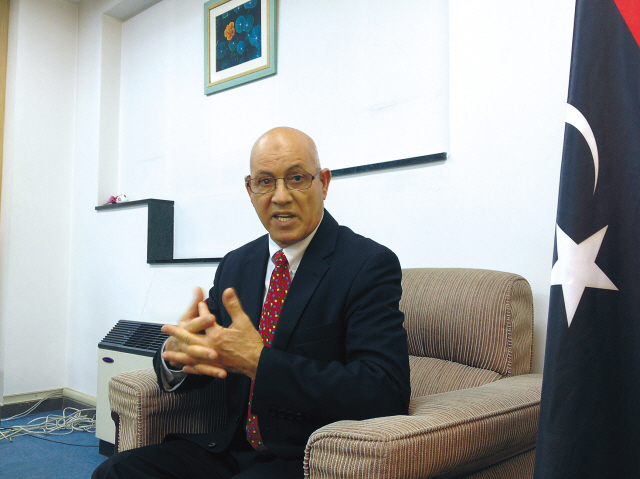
[(474, 407)]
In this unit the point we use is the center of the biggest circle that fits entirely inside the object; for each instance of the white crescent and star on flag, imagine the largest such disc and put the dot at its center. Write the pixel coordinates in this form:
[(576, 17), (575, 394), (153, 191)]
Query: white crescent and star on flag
[(576, 267)]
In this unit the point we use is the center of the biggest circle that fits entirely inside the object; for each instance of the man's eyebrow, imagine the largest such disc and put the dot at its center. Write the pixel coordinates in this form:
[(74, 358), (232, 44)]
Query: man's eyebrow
[(293, 167)]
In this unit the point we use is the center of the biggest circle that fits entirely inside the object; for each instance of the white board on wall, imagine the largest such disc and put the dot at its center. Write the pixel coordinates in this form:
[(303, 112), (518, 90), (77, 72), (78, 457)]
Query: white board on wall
[(368, 80)]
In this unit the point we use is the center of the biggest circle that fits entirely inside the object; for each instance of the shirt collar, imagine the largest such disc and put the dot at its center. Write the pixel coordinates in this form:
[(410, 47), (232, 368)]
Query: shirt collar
[(294, 252)]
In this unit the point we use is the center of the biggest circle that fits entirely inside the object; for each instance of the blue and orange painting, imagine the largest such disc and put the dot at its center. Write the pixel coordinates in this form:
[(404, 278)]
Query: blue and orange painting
[(238, 35)]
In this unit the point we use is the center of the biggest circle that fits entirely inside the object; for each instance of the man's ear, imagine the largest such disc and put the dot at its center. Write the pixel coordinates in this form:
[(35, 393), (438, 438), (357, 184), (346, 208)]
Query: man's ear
[(246, 185), (325, 178)]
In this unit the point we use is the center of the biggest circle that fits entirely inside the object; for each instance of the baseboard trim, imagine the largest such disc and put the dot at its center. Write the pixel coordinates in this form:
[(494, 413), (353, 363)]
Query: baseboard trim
[(80, 397), (32, 396), (15, 404)]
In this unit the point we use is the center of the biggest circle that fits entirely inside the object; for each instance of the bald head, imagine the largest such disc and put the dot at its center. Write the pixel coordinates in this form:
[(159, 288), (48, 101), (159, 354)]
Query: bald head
[(282, 136)]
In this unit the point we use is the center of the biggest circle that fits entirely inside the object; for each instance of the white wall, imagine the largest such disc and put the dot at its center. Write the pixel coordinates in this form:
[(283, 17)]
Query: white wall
[(36, 193), (485, 80)]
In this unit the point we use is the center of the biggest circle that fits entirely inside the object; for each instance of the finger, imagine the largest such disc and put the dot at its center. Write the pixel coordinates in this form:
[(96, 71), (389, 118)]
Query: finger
[(171, 344), (200, 323), (189, 358), (182, 335), (192, 311), (201, 352), (203, 309), (177, 358), (205, 369), (232, 304)]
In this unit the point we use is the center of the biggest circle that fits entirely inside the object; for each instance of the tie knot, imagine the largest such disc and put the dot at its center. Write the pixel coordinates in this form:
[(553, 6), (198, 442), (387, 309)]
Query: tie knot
[(279, 258)]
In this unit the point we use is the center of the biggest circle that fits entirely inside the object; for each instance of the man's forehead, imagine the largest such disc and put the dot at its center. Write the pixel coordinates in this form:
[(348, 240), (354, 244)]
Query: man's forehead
[(271, 168), (280, 160), (282, 149)]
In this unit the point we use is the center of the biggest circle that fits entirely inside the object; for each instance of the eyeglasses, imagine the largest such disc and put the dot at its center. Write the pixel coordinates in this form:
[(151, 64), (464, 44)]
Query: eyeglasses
[(267, 184)]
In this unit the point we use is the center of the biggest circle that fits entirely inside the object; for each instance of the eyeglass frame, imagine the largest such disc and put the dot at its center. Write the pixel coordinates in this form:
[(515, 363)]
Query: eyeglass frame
[(247, 182)]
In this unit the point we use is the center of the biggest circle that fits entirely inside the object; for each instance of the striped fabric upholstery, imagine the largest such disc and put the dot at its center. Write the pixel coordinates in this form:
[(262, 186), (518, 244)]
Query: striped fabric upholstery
[(441, 433), (515, 468), (148, 414), (433, 376), (480, 318)]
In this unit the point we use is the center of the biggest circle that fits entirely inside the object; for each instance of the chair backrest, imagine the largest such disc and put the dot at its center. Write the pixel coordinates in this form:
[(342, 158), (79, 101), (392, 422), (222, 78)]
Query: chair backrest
[(474, 326)]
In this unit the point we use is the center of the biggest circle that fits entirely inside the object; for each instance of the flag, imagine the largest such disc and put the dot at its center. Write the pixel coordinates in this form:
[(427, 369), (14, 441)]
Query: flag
[(590, 410)]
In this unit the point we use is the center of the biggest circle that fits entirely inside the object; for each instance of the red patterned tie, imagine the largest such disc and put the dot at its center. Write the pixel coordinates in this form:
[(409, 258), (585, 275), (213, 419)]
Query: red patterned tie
[(278, 289)]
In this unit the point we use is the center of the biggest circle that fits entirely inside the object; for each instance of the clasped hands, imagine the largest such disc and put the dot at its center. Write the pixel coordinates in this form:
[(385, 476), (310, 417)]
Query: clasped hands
[(219, 350)]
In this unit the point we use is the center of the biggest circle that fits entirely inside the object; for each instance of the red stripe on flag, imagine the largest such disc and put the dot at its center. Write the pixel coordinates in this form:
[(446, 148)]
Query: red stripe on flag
[(630, 10)]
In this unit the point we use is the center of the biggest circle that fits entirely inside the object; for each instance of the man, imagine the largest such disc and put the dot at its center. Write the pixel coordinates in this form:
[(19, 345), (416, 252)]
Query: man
[(327, 343)]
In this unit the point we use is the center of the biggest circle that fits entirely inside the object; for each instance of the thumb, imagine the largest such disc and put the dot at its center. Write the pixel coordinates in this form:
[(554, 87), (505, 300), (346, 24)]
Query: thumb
[(231, 302), (192, 311)]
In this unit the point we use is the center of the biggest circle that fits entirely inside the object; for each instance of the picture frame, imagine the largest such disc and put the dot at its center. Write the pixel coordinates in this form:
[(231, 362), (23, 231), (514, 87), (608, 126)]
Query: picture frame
[(240, 42)]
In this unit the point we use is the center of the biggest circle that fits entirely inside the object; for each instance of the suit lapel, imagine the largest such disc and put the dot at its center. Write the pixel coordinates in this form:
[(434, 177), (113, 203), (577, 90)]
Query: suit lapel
[(254, 270), (310, 272)]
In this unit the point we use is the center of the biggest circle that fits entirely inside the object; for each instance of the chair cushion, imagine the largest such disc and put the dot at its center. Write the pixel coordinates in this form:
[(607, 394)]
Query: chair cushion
[(480, 318), (433, 376), (518, 467), (441, 433)]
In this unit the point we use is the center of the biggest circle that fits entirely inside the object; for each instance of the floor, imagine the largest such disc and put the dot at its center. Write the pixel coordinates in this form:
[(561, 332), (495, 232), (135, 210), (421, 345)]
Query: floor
[(36, 457)]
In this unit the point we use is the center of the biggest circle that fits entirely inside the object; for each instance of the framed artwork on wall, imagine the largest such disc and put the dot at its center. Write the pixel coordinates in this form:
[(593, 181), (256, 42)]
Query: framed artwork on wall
[(239, 42)]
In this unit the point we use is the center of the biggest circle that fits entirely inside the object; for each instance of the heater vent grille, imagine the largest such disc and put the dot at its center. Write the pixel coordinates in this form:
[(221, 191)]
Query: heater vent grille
[(134, 337)]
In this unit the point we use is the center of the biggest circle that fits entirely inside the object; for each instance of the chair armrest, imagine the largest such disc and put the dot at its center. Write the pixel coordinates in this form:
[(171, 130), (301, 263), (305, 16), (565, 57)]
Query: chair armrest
[(147, 414), (442, 433)]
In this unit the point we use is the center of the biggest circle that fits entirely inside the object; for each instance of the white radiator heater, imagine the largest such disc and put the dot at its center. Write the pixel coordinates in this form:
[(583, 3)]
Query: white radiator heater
[(130, 345)]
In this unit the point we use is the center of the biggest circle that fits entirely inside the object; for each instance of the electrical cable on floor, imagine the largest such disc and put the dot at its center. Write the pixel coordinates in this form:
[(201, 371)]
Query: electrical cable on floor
[(53, 395), (55, 425)]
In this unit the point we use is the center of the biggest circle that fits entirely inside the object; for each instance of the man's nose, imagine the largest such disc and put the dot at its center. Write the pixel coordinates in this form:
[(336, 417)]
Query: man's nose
[(281, 194)]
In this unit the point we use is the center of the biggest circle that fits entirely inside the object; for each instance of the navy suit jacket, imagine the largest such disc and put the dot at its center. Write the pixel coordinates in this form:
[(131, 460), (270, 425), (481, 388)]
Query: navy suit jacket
[(339, 349)]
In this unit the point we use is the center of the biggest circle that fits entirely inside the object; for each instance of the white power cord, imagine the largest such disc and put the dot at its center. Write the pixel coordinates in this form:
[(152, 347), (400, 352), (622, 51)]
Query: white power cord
[(56, 425), (53, 395)]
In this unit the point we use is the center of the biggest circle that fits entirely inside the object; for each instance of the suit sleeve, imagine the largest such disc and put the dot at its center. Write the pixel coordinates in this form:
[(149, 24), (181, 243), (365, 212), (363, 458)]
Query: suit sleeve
[(373, 378)]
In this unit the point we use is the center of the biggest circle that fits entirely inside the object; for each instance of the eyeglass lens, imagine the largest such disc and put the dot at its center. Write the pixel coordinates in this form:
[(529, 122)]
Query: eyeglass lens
[(266, 184)]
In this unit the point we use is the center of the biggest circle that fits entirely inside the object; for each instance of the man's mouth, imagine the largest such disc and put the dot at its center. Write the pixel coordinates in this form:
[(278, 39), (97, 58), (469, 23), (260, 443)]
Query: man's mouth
[(283, 218)]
